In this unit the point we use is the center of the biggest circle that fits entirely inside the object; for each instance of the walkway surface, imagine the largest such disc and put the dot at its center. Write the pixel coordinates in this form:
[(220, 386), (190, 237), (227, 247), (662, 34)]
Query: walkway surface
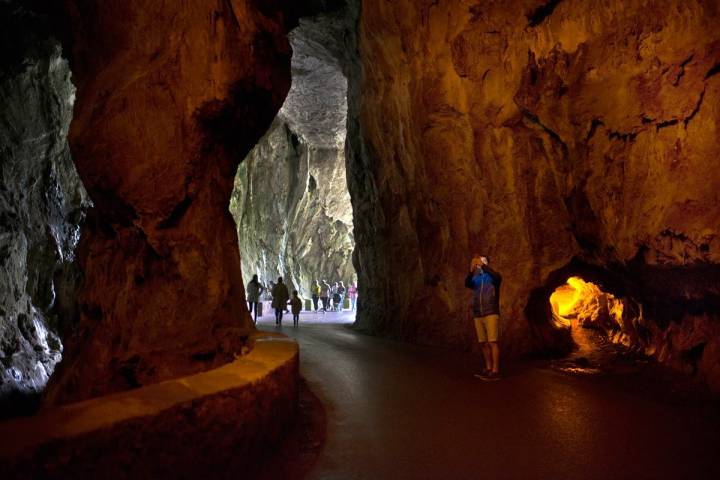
[(398, 411)]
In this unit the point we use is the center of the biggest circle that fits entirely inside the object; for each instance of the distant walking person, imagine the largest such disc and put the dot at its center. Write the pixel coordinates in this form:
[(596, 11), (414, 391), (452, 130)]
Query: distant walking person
[(280, 299), (254, 290), (315, 291), (295, 306), (341, 291), (325, 294), (485, 284), (352, 295), (335, 296)]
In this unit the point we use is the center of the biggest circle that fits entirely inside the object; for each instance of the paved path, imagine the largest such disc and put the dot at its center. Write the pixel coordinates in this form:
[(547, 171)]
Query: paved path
[(398, 411)]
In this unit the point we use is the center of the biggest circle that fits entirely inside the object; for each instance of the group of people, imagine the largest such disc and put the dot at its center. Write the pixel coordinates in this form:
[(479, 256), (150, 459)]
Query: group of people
[(281, 298), (481, 279), (333, 297)]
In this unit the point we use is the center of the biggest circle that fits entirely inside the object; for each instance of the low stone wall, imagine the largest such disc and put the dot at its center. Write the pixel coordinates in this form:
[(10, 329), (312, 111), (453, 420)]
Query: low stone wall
[(214, 424)]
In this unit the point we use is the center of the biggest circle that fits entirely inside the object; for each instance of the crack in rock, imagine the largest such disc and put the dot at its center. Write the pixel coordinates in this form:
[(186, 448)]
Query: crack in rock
[(695, 110), (542, 12)]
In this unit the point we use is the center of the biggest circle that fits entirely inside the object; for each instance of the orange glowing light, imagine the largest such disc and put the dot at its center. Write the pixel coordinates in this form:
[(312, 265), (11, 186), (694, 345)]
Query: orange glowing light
[(569, 299), (585, 303)]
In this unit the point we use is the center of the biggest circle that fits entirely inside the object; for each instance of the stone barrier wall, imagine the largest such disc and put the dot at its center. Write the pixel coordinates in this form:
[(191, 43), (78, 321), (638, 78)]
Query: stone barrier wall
[(213, 424)]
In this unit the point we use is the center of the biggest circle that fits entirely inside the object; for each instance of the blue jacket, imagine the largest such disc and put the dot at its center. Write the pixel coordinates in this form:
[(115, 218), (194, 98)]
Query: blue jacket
[(485, 284)]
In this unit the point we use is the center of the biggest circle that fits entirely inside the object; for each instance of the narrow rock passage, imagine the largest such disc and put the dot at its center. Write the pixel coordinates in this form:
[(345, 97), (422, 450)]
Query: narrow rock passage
[(402, 411)]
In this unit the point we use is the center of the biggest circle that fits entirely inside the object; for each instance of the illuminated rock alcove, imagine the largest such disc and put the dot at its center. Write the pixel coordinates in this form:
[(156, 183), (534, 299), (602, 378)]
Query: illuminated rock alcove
[(584, 308)]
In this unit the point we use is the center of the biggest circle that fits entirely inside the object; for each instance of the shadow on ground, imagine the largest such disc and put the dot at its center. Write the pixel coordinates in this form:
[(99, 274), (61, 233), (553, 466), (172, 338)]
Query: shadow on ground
[(300, 450)]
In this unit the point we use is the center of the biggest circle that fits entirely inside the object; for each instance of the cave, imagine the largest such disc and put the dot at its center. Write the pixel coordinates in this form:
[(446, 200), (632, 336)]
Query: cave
[(290, 199), (156, 155)]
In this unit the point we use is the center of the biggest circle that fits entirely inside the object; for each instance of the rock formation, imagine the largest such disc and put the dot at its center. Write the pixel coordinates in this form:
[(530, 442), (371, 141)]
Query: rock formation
[(291, 203), (41, 202), (169, 99), (560, 138)]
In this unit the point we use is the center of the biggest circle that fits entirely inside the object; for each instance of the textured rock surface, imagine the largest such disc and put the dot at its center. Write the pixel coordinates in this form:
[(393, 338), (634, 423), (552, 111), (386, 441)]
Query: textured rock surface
[(169, 99), (41, 201), (538, 134), (291, 202)]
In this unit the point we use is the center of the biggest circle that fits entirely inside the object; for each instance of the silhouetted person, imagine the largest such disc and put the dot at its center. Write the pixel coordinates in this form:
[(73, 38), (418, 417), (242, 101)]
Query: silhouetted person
[(315, 291), (325, 294), (295, 306), (485, 284), (352, 295), (341, 291), (254, 290), (335, 296), (280, 299)]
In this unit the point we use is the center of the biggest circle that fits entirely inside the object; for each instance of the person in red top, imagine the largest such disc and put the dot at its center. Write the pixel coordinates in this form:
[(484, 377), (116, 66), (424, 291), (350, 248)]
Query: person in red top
[(352, 295)]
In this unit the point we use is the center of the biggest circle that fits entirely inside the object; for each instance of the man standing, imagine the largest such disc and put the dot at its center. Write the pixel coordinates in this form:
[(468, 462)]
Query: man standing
[(315, 291), (341, 292), (485, 284), (280, 299), (325, 294), (254, 290)]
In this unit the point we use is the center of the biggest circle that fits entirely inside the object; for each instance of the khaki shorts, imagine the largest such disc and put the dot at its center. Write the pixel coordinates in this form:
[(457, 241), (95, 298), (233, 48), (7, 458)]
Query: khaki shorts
[(487, 328)]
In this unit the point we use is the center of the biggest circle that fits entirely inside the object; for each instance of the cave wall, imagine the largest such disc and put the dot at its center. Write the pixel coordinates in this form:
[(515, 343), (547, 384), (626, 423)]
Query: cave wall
[(293, 212), (291, 202), (41, 203), (537, 134), (169, 100)]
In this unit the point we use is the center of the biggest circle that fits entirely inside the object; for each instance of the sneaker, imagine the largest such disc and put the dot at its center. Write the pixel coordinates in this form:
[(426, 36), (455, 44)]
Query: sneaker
[(491, 376), (482, 374)]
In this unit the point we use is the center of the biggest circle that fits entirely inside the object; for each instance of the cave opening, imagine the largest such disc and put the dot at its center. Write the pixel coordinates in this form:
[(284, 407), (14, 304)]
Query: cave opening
[(590, 317), (290, 200), (595, 317)]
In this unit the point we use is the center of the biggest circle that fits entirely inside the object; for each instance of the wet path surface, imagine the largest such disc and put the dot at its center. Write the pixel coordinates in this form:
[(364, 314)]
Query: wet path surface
[(399, 411)]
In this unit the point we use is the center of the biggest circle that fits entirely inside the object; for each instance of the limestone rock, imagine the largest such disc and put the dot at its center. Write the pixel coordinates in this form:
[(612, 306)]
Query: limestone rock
[(536, 135), (291, 202), (169, 100), (41, 196), (41, 201)]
